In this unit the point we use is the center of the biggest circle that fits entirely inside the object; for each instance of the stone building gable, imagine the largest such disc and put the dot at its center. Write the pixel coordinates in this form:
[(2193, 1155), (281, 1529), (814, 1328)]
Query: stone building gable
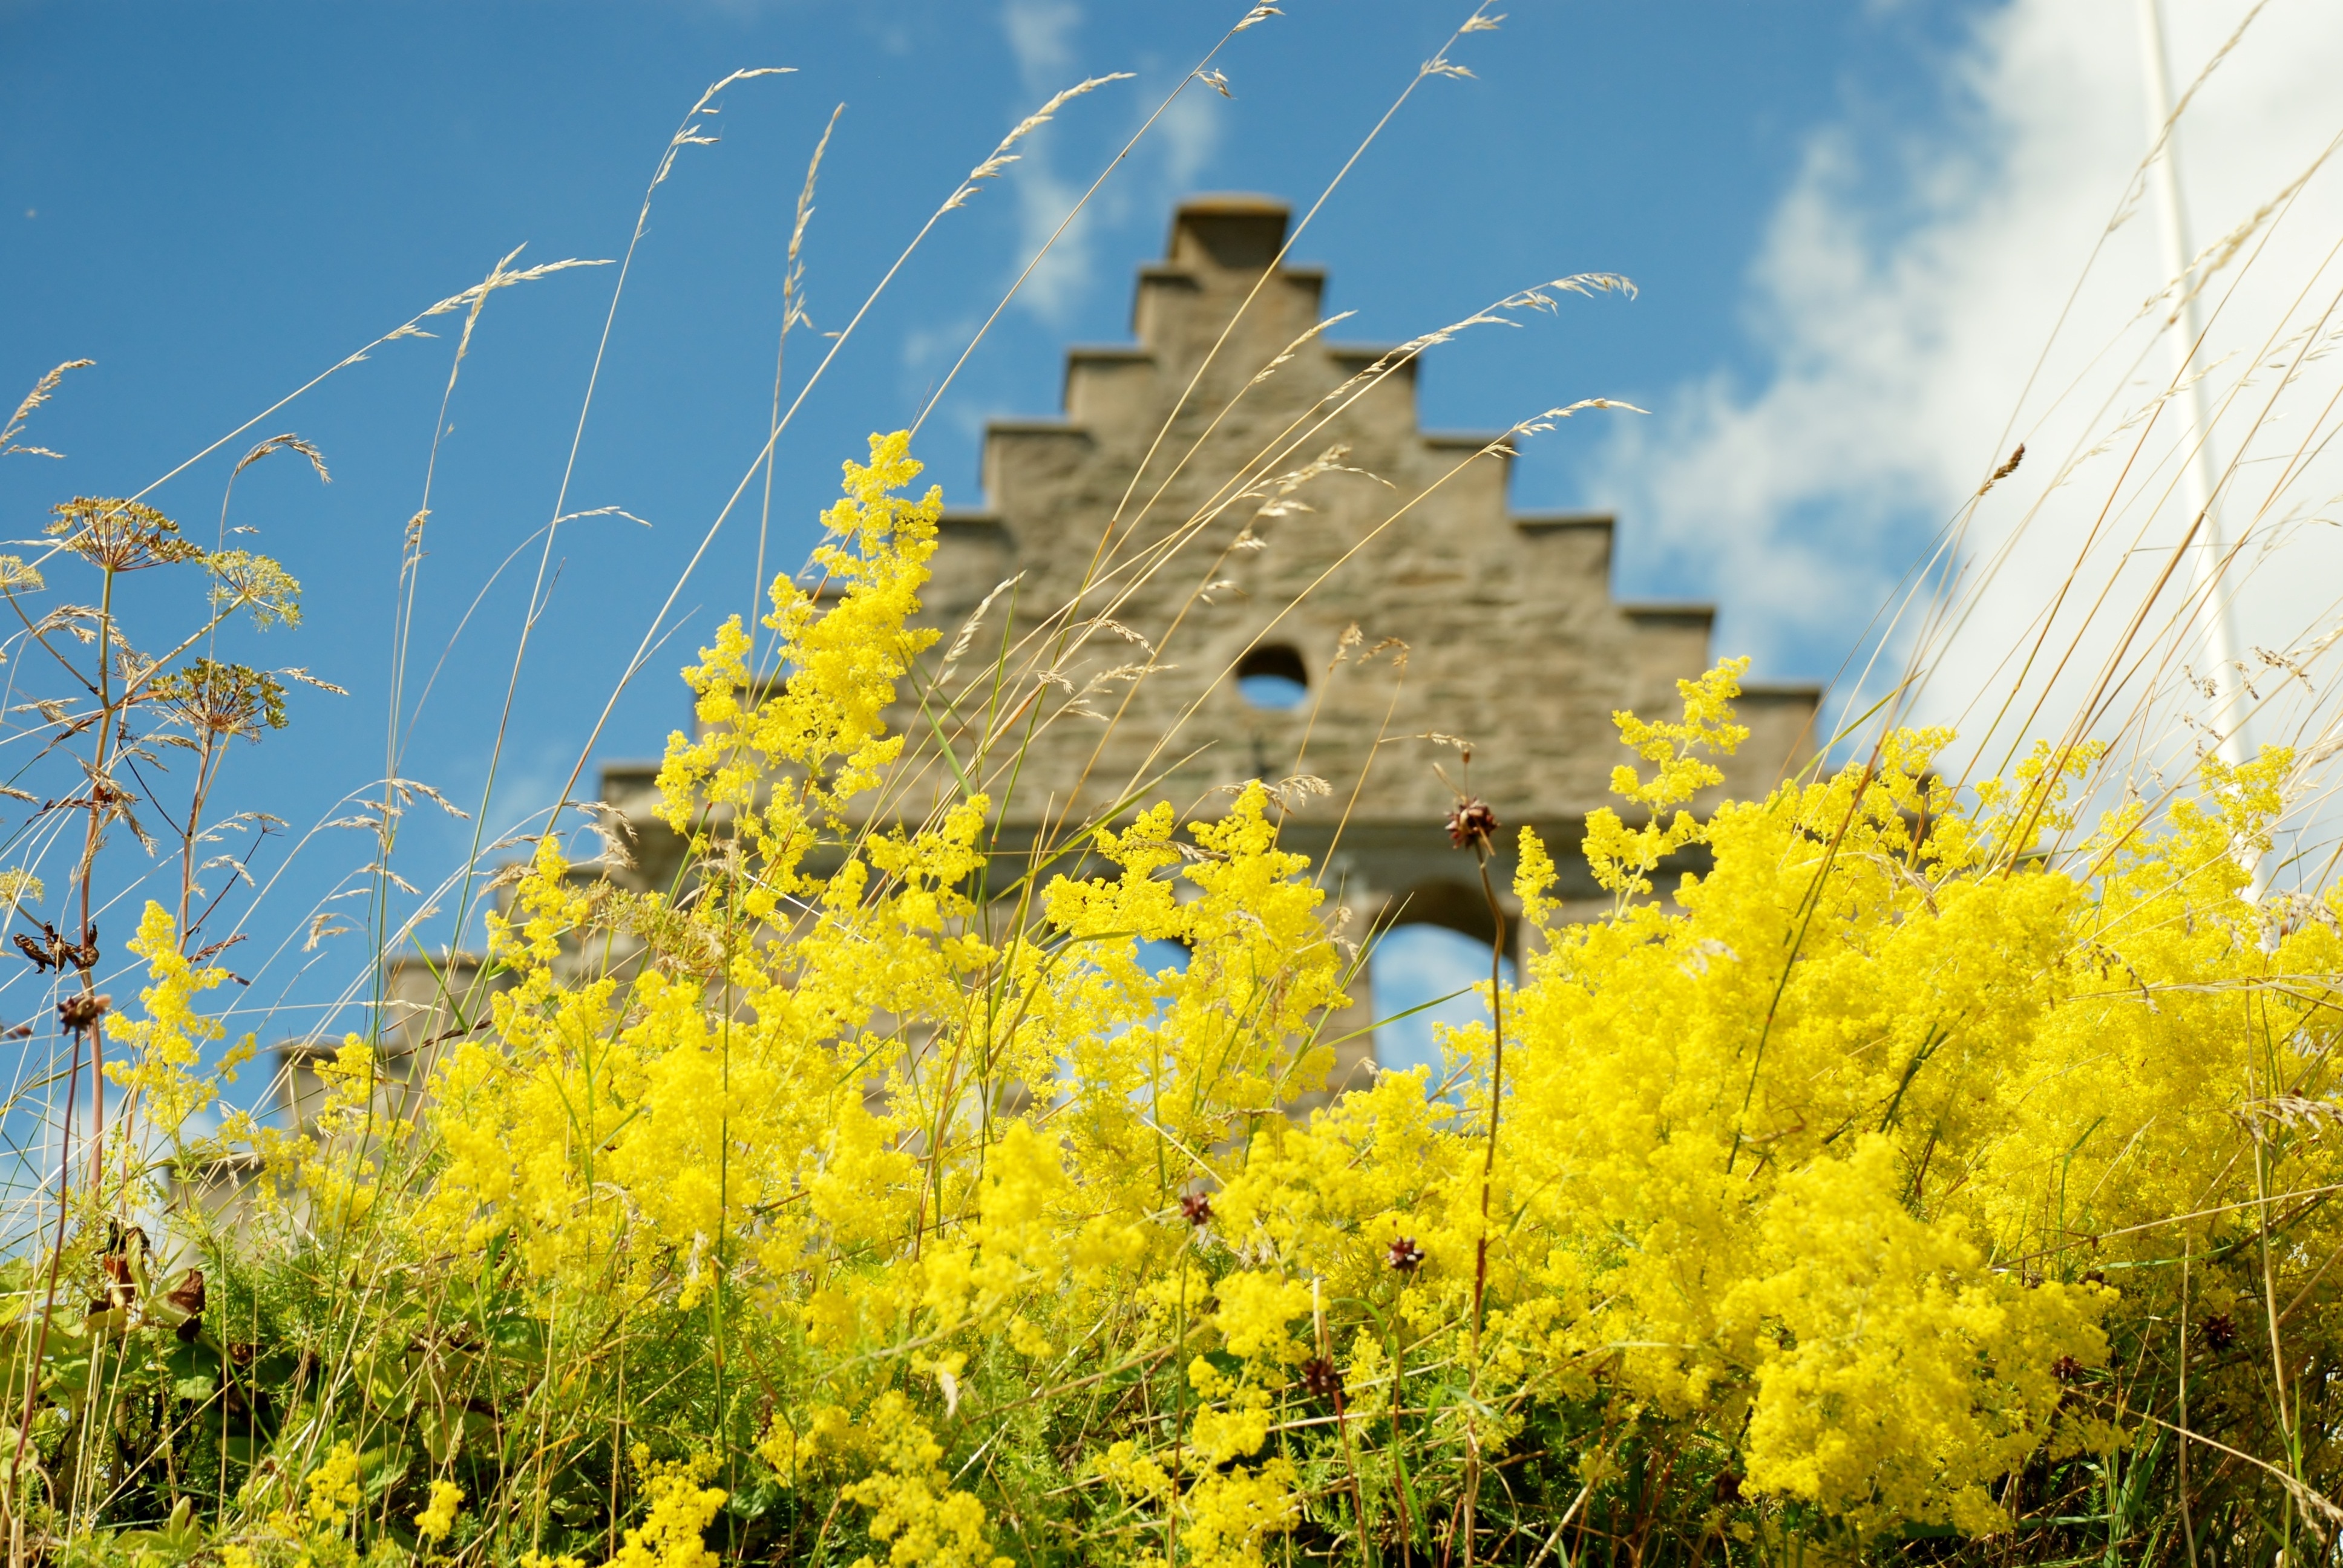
[(1514, 639)]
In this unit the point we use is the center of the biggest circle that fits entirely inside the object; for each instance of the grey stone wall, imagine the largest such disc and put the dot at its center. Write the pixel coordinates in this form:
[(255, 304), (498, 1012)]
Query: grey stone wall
[(1162, 465)]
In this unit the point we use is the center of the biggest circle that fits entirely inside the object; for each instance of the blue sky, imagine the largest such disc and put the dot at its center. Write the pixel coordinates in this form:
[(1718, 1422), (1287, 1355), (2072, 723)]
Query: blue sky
[(216, 201)]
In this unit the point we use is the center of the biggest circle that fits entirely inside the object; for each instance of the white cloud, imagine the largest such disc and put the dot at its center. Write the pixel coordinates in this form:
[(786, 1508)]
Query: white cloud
[(1042, 37), (1062, 277), (1909, 281), (1190, 133)]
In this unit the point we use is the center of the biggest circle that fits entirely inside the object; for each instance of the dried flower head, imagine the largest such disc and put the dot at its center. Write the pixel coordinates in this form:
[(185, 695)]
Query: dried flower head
[(120, 535), (224, 698), (1405, 1255), (1320, 1379), (243, 580), (1472, 819), (78, 1013)]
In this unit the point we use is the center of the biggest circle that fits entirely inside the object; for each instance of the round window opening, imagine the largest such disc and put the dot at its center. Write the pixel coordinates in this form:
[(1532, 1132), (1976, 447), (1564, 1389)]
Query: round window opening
[(1273, 677)]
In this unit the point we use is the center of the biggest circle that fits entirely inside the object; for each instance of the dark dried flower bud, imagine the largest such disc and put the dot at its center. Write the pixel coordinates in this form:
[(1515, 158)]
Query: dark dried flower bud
[(1320, 1379), (1196, 1208), (2219, 1331), (1405, 1255), (1470, 819), (117, 1266), (78, 1014), (187, 1295), (121, 1284)]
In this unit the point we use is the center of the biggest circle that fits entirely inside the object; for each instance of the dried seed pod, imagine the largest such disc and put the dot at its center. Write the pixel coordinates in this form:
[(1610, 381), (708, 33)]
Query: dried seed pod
[(78, 1014), (1472, 819)]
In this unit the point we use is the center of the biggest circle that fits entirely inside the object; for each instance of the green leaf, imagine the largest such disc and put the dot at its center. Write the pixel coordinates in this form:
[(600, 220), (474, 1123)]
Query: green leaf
[(193, 1370)]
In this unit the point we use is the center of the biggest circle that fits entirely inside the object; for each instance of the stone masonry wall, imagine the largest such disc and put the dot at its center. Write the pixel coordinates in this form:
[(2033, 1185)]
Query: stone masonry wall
[(1514, 640)]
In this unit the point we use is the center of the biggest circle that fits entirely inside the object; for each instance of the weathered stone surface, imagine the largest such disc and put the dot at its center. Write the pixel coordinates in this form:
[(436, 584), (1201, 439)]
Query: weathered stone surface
[(1514, 642), (1169, 455)]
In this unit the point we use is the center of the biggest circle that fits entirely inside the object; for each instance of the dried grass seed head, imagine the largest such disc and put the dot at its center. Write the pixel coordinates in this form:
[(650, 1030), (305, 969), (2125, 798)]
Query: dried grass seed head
[(33, 399)]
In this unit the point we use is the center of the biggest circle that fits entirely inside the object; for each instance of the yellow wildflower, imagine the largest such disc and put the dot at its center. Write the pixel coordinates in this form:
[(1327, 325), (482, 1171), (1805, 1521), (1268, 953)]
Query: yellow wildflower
[(670, 1535), (334, 1490), (439, 1516)]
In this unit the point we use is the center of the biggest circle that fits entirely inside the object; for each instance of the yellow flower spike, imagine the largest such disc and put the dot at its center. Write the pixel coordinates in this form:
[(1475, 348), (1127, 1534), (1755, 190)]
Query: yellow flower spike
[(166, 1044), (334, 1493), (673, 1530), (1621, 858), (913, 1506), (439, 1516)]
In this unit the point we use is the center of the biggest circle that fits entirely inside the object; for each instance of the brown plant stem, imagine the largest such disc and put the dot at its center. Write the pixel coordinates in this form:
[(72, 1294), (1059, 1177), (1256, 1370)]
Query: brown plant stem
[(1488, 1179), (106, 726)]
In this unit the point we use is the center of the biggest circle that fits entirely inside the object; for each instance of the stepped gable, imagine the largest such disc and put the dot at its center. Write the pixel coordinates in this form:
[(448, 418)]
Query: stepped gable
[(1515, 640)]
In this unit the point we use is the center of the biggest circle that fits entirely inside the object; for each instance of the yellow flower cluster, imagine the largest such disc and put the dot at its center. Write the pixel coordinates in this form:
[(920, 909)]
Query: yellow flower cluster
[(1841, 1177), (334, 1492), (672, 1533), (439, 1516), (168, 1042), (913, 1508)]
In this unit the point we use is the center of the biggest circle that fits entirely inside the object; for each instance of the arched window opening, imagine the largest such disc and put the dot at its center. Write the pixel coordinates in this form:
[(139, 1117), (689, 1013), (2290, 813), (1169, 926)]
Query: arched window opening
[(1421, 973), (1274, 676)]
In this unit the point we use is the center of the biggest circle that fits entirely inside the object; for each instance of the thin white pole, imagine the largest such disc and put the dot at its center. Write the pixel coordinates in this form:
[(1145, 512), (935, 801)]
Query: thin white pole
[(2201, 477)]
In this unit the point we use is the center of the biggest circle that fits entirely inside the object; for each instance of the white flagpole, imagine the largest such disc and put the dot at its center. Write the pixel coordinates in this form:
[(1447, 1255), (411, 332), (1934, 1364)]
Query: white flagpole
[(2201, 477)]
